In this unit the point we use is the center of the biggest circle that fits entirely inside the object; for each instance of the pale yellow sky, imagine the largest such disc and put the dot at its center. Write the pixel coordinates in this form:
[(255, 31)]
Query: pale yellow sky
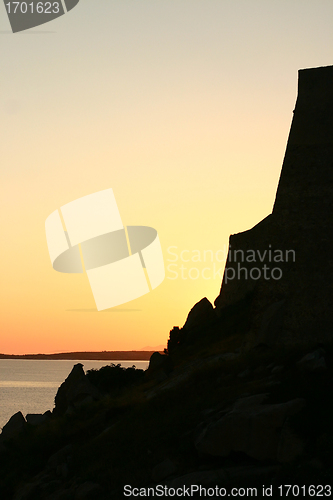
[(182, 107)]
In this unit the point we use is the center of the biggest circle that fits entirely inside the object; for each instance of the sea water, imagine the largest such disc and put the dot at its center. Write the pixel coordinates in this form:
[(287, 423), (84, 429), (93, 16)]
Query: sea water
[(30, 386)]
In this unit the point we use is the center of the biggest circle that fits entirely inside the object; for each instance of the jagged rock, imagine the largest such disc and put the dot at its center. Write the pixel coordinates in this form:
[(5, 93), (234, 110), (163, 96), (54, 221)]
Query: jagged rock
[(201, 314), (13, 427), (313, 362), (163, 470), (88, 491), (74, 390), (250, 427), (38, 418), (292, 306)]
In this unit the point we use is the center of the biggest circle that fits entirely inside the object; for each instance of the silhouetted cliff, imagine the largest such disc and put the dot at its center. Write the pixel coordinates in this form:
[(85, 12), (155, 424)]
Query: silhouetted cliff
[(286, 260)]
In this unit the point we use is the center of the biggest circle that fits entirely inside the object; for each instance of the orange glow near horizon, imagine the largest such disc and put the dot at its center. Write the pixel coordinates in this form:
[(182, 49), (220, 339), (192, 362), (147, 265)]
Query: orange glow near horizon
[(183, 109)]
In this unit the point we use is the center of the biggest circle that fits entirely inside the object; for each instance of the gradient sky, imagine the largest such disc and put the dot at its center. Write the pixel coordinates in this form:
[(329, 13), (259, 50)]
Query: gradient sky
[(183, 108)]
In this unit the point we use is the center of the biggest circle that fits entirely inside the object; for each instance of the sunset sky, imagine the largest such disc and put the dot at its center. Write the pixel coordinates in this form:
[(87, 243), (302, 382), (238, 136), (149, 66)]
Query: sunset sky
[(183, 108)]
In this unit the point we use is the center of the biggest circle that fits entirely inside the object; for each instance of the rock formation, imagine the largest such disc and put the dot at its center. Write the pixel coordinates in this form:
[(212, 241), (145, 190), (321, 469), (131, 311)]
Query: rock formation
[(201, 314), (255, 429), (286, 261), (13, 427), (75, 391)]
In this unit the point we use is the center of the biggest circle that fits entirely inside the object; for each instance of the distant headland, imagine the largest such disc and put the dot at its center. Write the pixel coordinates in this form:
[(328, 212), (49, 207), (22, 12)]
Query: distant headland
[(87, 355)]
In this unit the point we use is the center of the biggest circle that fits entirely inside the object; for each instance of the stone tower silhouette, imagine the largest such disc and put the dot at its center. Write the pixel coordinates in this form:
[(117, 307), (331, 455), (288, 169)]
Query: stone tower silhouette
[(297, 307)]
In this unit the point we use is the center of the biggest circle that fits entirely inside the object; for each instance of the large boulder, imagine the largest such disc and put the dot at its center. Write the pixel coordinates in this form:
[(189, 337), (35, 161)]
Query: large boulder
[(159, 367), (76, 390), (38, 418), (250, 427), (201, 314), (13, 427)]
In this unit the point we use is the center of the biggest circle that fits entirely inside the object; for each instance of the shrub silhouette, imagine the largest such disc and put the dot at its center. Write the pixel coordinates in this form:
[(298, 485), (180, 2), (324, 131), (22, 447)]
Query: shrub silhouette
[(113, 378), (177, 337)]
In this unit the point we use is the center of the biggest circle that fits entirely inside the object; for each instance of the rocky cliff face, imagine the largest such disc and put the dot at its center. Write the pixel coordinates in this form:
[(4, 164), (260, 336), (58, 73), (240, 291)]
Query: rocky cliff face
[(286, 261)]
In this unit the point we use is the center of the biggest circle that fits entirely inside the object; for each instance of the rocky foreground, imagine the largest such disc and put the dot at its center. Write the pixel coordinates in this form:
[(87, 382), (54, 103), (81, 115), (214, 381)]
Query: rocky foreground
[(210, 413)]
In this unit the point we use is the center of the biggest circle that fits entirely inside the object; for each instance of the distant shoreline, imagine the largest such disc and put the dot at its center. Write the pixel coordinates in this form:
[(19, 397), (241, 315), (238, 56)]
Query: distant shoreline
[(96, 356)]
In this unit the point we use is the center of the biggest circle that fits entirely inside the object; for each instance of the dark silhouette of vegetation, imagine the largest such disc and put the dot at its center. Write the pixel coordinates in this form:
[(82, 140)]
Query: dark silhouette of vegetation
[(113, 378), (177, 337)]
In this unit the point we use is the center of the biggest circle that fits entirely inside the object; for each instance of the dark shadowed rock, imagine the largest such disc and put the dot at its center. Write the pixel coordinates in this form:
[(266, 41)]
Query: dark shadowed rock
[(201, 314), (313, 362), (38, 418), (88, 491), (244, 374), (157, 361), (247, 473), (163, 470), (76, 389), (229, 476), (61, 456), (65, 494), (290, 446), (250, 427), (26, 492), (277, 369), (13, 427), (204, 478), (159, 367)]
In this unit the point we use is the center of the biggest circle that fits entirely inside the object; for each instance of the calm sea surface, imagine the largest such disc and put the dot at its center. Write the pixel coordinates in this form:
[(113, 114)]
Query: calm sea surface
[(30, 386)]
